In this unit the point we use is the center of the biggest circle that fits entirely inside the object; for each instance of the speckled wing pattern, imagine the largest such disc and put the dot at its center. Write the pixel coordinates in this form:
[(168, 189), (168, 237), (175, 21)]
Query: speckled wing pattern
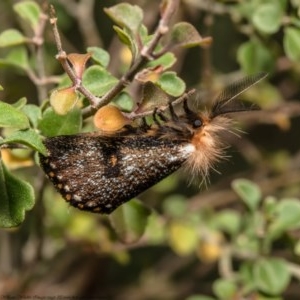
[(98, 173)]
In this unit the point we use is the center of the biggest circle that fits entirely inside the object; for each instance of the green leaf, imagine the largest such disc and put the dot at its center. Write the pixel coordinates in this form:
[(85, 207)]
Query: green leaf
[(224, 289), (98, 81), (130, 221), (34, 114), (124, 102), (167, 61), (291, 43), (124, 37), (185, 35), (127, 40), (126, 15), (11, 37), (26, 137), (248, 191), (29, 11), (171, 84), (20, 103), (246, 275), (254, 57), (267, 18), (175, 206), (228, 221), (183, 237), (53, 124), (16, 196), (99, 55), (12, 117), (1, 88), (17, 57), (64, 81), (152, 97), (271, 275), (156, 230), (286, 216)]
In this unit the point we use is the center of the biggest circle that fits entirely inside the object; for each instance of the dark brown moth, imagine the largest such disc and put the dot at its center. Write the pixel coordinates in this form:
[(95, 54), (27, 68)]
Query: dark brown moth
[(98, 172)]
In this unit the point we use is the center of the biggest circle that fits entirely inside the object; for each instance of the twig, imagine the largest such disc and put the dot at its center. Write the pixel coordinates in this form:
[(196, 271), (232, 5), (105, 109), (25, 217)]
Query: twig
[(142, 59), (38, 75), (62, 57), (294, 269), (145, 55), (40, 61)]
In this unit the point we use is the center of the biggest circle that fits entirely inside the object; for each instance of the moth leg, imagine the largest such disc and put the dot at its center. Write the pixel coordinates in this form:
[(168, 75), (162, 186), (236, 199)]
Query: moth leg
[(130, 128), (186, 108), (154, 116), (191, 116), (161, 116), (144, 126), (172, 112)]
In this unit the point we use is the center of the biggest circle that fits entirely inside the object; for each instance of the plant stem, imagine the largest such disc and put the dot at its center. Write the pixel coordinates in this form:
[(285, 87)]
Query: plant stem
[(146, 54)]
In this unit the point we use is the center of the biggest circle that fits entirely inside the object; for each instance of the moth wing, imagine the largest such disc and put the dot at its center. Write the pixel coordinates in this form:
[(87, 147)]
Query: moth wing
[(98, 174)]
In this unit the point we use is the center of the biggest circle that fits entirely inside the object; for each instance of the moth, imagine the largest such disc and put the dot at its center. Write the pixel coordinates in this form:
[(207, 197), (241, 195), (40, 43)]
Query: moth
[(98, 172)]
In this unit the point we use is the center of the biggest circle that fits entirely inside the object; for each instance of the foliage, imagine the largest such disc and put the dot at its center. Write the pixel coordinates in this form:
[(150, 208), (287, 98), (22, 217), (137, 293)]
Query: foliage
[(251, 244)]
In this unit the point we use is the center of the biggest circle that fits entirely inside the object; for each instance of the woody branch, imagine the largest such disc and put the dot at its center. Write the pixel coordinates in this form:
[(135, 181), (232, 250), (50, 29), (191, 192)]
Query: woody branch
[(146, 54)]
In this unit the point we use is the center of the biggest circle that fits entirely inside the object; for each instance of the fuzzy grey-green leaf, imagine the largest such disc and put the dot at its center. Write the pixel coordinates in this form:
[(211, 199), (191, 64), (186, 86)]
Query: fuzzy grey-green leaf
[(99, 55), (248, 191), (98, 81), (130, 220), (171, 84), (291, 43), (28, 137), (53, 124), (29, 11), (271, 275), (16, 197), (185, 35), (17, 57), (126, 15), (11, 37), (267, 18), (12, 117)]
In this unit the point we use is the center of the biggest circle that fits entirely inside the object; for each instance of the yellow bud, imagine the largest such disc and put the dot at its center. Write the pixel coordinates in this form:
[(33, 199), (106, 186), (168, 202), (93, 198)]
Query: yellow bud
[(13, 159), (210, 247), (183, 238), (63, 100), (109, 118)]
